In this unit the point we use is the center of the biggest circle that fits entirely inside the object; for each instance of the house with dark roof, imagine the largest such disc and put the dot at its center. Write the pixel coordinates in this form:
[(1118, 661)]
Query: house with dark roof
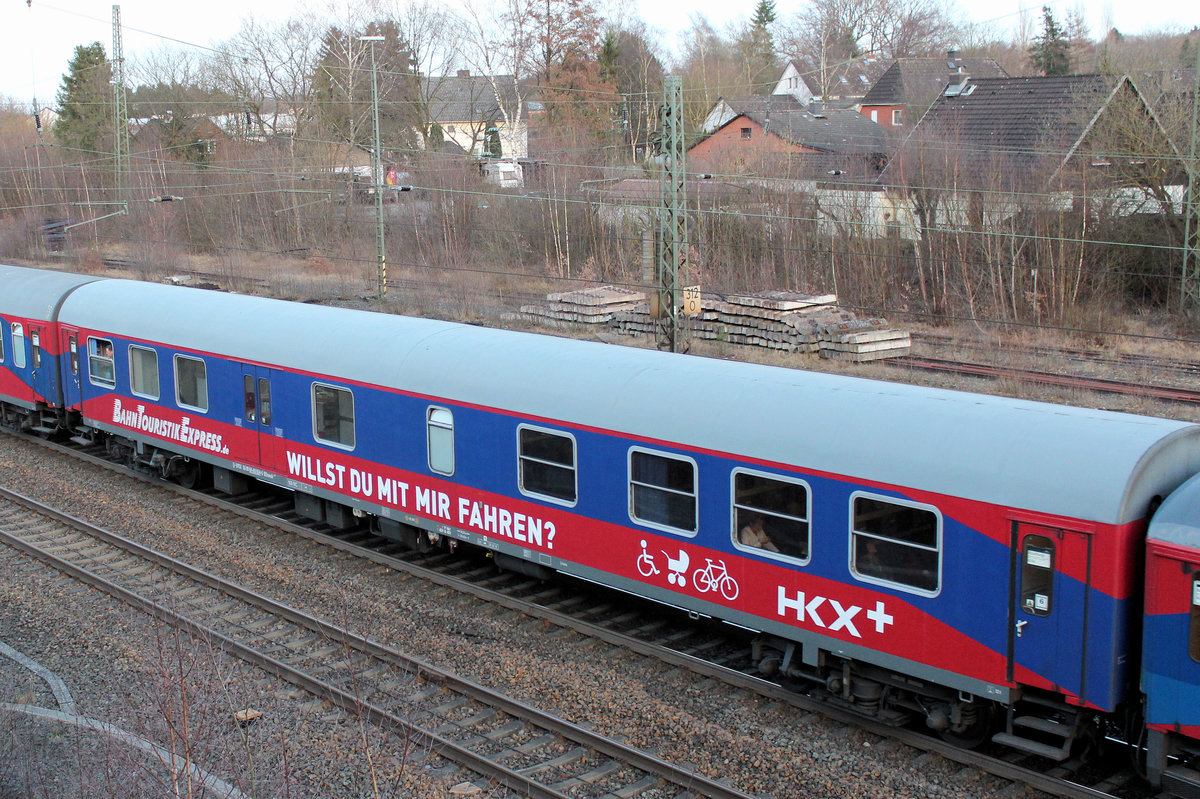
[(837, 85), (778, 137), (194, 138), (910, 85), (989, 147), (466, 106)]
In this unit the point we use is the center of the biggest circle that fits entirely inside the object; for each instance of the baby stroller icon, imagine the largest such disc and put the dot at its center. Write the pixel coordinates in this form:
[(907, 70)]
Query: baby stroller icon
[(677, 568)]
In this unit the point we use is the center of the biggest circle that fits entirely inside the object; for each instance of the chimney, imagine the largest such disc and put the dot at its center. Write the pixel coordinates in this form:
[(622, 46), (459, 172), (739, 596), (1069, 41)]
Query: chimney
[(464, 73), (951, 55)]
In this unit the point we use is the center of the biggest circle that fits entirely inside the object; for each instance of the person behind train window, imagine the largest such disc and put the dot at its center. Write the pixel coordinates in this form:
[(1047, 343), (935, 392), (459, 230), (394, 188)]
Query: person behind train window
[(870, 563), (754, 535)]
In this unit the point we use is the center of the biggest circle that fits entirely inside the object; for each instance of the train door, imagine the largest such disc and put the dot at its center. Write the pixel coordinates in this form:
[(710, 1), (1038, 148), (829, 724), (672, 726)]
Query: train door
[(256, 394), (72, 391), (41, 364), (1049, 614)]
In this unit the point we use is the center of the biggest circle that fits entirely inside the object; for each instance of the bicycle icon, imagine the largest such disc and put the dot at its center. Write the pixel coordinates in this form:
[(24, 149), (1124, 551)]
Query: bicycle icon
[(715, 577)]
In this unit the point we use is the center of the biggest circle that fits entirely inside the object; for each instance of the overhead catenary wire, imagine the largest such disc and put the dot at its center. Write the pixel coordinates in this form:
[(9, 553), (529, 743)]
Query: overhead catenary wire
[(231, 190)]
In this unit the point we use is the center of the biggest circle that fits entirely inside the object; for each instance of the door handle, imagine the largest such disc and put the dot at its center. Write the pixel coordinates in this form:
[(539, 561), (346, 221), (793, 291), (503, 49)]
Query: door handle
[(1021, 627)]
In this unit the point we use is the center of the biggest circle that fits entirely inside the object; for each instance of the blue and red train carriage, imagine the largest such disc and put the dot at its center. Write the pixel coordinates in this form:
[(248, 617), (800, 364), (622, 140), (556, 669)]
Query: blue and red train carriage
[(993, 566)]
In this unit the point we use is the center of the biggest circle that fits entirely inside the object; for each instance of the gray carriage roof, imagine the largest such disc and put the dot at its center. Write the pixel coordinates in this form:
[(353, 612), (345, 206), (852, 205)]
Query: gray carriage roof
[(36, 293), (1075, 462), (1177, 520)]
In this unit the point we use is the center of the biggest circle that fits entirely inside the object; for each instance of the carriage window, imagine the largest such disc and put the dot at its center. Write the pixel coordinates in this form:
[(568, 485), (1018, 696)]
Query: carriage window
[(143, 372), (440, 435), (896, 543), (18, 342), (264, 401), (771, 514), (333, 415), (1037, 575), (191, 383), (662, 491), (1, 344), (547, 464), (100, 362), (248, 399), (35, 348)]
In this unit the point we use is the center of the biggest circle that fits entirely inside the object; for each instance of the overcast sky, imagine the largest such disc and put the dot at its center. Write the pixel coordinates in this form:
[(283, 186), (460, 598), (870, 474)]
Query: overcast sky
[(40, 37)]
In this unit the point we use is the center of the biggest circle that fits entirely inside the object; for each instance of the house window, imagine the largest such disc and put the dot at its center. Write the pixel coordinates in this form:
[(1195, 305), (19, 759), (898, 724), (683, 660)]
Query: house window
[(440, 437), (770, 514), (100, 361), (874, 115), (662, 491), (896, 543), (547, 464), (897, 116), (746, 132), (450, 129), (143, 372), (191, 383), (333, 415)]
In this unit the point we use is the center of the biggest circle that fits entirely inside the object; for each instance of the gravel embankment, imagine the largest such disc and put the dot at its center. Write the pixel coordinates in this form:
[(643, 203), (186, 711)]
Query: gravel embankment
[(126, 669)]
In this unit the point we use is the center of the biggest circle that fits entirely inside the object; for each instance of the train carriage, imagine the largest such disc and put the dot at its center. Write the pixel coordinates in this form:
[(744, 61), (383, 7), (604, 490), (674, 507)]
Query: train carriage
[(978, 546), (34, 381), (1171, 639), (912, 552)]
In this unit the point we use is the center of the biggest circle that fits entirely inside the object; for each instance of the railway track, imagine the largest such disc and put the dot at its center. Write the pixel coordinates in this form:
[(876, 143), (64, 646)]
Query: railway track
[(1122, 360), (708, 649), (1103, 385), (504, 741)]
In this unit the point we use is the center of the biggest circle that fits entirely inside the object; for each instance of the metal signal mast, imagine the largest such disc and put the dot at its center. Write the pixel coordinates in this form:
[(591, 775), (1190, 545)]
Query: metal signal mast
[(120, 109), (672, 217)]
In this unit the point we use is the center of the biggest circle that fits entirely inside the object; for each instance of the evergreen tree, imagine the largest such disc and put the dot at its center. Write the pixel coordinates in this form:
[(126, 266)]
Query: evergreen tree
[(491, 144), (84, 99), (764, 15), (760, 46), (610, 54), (1050, 53), (342, 84)]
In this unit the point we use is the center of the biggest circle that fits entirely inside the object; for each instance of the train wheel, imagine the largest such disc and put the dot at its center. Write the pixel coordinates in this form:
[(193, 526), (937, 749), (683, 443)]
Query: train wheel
[(979, 723), (189, 474)]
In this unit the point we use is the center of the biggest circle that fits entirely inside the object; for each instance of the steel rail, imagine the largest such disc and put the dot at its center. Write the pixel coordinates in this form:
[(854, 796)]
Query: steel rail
[(998, 767), (512, 779), (1104, 385)]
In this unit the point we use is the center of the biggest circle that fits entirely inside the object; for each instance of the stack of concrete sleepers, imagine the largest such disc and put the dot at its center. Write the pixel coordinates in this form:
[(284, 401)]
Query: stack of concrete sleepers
[(594, 306), (864, 340), (781, 320)]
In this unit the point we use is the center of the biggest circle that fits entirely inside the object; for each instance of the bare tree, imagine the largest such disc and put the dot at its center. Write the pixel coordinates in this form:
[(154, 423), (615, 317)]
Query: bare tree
[(830, 32), (268, 71), (432, 34), (710, 69), (501, 45)]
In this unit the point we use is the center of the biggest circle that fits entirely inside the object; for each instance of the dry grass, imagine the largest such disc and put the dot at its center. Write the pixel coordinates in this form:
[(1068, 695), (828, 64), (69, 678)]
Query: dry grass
[(482, 296)]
